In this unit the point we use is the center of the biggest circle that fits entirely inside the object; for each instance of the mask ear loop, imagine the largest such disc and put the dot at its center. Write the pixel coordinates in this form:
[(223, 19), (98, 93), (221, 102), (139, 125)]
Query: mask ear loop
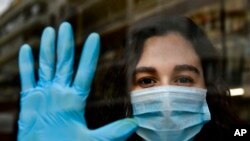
[(128, 109), (127, 112)]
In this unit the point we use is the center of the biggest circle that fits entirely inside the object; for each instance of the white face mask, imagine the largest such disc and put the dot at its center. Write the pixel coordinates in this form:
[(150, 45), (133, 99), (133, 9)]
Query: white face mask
[(170, 113)]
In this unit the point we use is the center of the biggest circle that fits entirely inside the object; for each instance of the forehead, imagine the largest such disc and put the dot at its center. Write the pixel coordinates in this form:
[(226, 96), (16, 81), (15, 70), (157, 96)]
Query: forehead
[(169, 48)]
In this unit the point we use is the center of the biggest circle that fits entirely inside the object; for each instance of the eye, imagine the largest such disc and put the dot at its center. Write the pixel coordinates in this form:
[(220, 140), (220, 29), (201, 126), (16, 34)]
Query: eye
[(184, 81), (146, 82)]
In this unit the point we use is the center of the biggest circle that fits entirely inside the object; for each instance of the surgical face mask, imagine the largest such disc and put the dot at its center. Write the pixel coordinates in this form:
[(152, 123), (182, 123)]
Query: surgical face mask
[(170, 113)]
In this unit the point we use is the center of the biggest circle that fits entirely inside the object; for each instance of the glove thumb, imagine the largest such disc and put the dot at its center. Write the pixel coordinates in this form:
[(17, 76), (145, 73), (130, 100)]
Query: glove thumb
[(117, 131)]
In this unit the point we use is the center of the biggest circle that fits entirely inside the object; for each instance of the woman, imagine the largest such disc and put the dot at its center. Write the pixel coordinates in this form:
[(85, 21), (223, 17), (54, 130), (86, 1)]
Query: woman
[(175, 51), (160, 52), (172, 51)]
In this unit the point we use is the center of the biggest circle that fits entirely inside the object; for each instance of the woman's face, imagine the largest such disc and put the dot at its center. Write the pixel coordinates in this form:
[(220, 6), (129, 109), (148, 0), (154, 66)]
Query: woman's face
[(168, 60)]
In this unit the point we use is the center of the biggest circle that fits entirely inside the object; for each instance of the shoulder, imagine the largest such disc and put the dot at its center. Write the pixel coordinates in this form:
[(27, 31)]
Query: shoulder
[(212, 131)]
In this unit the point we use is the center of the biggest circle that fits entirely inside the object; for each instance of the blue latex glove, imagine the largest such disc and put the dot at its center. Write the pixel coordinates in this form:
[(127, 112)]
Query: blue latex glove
[(52, 109)]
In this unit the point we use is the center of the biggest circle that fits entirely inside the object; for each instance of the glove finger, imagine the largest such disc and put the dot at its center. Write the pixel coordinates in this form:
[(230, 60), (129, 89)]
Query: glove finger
[(117, 131), (26, 67), (88, 62), (47, 55), (65, 54)]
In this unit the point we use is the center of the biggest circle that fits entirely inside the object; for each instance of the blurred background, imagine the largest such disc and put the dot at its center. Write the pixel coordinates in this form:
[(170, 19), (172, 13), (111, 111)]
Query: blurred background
[(226, 22)]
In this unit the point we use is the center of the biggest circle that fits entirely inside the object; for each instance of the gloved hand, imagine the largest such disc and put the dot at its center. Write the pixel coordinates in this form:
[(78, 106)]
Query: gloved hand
[(52, 109)]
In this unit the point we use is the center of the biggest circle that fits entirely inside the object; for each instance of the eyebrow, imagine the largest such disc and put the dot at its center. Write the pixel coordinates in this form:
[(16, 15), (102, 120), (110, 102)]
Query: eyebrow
[(185, 67), (178, 68), (145, 70)]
